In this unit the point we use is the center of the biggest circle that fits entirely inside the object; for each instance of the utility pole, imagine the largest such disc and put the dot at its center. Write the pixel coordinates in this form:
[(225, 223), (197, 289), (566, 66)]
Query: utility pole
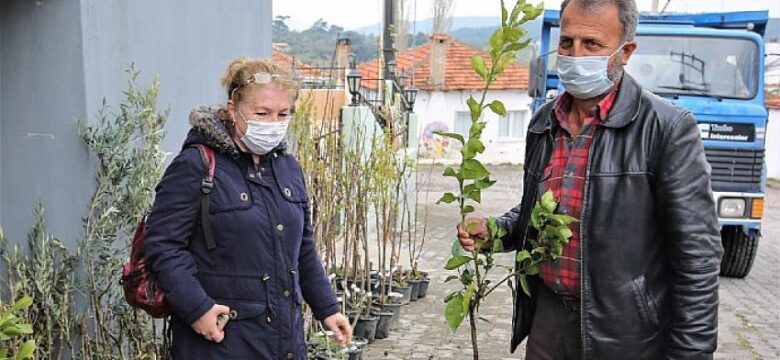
[(388, 49), (654, 9)]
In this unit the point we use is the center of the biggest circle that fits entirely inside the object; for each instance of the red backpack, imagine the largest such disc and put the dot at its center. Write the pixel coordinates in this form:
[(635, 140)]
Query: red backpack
[(139, 284)]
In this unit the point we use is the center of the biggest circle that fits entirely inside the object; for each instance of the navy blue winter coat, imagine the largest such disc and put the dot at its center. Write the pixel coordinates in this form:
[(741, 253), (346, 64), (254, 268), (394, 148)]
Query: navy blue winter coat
[(264, 264)]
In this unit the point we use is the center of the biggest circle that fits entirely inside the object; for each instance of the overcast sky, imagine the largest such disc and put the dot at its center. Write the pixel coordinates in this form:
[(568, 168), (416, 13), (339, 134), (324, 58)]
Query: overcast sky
[(352, 14)]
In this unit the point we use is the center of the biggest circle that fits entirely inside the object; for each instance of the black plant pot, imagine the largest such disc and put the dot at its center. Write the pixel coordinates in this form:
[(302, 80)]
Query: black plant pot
[(366, 327), (415, 289), (423, 288), (355, 354), (396, 310), (384, 324), (406, 292)]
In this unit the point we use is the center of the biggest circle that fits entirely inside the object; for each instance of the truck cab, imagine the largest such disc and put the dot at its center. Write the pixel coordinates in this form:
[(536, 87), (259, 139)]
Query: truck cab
[(713, 65)]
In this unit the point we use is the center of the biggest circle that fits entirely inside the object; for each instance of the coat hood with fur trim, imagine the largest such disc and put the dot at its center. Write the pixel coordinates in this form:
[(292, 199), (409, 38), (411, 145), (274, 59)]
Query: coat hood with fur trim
[(208, 128)]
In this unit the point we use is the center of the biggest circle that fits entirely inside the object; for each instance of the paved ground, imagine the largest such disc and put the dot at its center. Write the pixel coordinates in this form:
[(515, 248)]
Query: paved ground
[(749, 311)]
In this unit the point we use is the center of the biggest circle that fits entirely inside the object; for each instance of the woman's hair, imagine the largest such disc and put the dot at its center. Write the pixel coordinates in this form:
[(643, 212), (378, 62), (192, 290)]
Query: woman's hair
[(243, 73)]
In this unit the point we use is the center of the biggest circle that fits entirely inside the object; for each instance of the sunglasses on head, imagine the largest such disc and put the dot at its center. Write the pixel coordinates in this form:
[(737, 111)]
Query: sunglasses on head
[(265, 78)]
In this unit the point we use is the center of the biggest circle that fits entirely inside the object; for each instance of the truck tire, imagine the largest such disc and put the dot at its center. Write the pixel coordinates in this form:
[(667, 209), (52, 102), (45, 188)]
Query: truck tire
[(739, 251)]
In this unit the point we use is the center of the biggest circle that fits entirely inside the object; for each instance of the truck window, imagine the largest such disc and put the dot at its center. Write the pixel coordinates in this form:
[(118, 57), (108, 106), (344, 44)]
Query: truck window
[(704, 66), (689, 65)]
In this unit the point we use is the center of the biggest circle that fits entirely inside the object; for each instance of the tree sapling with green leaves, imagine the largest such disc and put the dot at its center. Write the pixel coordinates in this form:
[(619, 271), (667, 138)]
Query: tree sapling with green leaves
[(473, 177)]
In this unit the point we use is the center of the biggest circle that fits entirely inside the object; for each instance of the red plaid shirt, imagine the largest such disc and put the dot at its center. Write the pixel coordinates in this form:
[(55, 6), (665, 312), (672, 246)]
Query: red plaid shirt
[(565, 176)]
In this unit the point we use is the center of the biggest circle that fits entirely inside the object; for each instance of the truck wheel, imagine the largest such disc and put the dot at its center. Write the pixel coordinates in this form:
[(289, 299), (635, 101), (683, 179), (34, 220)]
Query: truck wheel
[(739, 251)]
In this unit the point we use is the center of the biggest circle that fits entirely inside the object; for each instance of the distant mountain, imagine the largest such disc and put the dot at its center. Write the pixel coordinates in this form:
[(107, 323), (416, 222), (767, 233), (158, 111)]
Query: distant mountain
[(426, 24), (773, 30), (472, 30)]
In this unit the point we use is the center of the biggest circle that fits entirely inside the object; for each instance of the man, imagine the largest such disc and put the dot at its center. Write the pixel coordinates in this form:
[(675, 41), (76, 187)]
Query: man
[(639, 277)]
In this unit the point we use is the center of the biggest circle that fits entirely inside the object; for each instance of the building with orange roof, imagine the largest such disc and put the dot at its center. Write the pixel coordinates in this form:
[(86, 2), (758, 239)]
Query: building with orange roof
[(772, 100), (441, 71)]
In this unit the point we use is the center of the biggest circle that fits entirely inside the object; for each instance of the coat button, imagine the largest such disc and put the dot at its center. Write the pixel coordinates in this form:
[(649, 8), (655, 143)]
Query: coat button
[(286, 293), (244, 197), (290, 356), (252, 175), (287, 192), (280, 227)]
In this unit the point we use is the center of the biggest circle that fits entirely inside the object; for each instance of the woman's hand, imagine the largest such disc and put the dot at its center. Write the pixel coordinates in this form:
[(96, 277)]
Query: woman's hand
[(339, 324), (207, 324)]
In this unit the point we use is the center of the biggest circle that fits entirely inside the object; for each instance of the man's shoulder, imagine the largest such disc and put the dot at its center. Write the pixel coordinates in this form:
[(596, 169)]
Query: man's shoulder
[(662, 110)]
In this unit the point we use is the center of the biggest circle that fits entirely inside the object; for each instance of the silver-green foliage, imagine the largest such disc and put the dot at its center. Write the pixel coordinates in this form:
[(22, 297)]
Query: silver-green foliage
[(79, 309), (126, 145)]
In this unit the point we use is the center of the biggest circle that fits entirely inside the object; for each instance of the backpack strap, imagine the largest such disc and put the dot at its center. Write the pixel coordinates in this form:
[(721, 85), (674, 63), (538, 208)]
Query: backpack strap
[(209, 161)]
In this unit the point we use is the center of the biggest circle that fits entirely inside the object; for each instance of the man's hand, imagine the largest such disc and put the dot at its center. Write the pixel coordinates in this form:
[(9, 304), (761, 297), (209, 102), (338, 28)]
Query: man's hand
[(339, 324), (470, 231), (207, 324)]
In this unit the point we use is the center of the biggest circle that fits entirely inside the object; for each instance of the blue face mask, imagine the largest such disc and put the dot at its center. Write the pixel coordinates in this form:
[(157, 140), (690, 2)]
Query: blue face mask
[(585, 77)]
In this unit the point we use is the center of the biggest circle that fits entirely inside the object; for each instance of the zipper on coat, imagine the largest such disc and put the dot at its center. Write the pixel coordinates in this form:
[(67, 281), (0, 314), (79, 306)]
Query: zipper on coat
[(585, 193)]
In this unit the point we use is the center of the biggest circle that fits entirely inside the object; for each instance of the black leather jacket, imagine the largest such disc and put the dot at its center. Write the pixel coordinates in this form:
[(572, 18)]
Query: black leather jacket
[(650, 245)]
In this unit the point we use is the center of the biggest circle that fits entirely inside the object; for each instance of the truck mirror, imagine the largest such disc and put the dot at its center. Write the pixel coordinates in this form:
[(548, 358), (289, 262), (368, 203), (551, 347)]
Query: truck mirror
[(536, 75)]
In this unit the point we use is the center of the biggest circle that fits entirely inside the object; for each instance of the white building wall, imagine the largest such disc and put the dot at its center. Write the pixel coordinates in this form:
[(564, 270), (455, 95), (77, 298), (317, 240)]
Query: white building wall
[(437, 111), (773, 145)]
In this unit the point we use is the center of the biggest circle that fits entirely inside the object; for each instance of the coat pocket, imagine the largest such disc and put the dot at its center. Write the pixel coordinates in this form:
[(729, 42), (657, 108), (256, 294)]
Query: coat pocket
[(645, 304), (244, 309)]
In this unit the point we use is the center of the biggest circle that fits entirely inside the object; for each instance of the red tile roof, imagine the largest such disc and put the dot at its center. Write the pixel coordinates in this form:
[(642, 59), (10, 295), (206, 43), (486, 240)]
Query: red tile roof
[(458, 74), (288, 61)]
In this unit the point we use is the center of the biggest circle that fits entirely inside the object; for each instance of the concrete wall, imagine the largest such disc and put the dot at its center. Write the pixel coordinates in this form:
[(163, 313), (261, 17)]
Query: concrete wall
[(437, 109), (42, 75), (62, 57)]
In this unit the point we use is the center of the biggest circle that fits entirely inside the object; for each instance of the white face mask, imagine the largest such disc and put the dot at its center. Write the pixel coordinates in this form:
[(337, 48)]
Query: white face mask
[(262, 137), (585, 77)]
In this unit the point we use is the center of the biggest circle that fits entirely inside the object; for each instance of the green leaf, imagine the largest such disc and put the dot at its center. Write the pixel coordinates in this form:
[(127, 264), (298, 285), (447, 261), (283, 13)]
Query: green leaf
[(467, 297), (468, 209), (522, 255), (25, 328), (450, 278), (476, 145), (27, 350), (476, 195), (536, 217), (447, 198), (484, 183), (524, 284), (453, 312), (496, 41), (511, 35), (518, 46), (474, 110), (456, 262), (532, 269), (3, 354), (504, 14), (498, 108), (548, 201), (472, 169), (479, 66), (450, 172), (456, 249), (498, 245), (515, 12), (476, 129), (455, 136), (21, 304)]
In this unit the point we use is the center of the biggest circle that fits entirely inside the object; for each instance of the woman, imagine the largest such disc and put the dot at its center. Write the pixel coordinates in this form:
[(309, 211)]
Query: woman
[(264, 263)]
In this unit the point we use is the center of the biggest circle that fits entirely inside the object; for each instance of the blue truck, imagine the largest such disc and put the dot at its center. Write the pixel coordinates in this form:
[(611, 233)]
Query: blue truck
[(713, 65)]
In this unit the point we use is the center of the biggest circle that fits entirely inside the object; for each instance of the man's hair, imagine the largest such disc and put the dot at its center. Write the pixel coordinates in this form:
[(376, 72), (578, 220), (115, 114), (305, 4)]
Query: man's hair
[(626, 9)]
